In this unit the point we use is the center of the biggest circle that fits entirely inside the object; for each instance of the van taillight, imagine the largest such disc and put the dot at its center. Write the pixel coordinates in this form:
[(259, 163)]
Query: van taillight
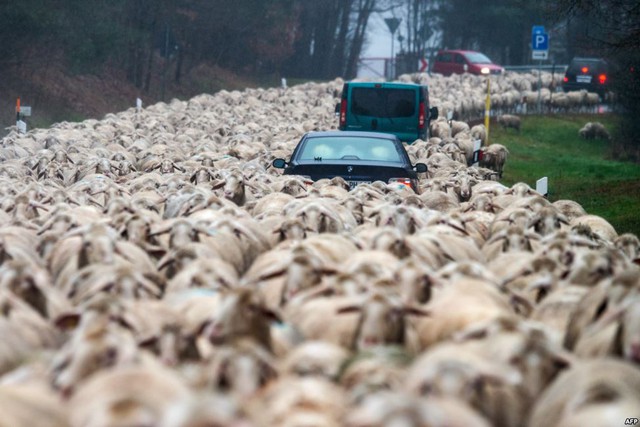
[(343, 113), (566, 79), (421, 115), (602, 78)]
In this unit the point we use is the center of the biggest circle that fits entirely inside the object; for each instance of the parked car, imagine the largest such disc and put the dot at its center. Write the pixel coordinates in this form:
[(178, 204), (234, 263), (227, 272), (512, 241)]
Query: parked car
[(591, 74), (358, 157), (401, 109), (449, 62)]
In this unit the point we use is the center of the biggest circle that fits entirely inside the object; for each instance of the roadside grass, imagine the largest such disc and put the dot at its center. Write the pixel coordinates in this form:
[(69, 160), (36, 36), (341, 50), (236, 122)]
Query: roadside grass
[(577, 169)]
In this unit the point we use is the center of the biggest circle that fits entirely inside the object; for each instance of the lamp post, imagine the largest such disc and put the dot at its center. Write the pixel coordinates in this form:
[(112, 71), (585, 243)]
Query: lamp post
[(487, 103), (393, 24)]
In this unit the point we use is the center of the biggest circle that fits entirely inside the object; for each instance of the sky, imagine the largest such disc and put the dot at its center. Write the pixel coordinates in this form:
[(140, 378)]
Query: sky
[(379, 46)]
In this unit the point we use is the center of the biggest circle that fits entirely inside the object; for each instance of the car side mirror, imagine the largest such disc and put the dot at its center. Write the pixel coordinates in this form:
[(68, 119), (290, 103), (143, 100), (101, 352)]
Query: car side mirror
[(420, 167), (279, 163), (433, 113)]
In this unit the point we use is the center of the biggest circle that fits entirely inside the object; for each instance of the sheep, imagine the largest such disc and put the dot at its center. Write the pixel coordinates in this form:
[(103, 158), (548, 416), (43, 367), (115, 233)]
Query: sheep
[(594, 130), (381, 322), (315, 358), (134, 395), (481, 302), (569, 208), (387, 408), (509, 121), (604, 390), (145, 271), (494, 157), (32, 406), (629, 244), (309, 398), (240, 370), (599, 226)]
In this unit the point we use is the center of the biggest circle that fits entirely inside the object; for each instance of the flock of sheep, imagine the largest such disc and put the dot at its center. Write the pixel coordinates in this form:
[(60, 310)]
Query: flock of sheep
[(156, 271)]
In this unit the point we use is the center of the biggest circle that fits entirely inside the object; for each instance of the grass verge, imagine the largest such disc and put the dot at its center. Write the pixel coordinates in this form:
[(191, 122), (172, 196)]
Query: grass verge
[(578, 169)]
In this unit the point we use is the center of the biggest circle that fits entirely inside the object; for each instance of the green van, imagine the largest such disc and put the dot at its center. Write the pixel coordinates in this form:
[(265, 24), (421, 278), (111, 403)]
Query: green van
[(401, 109)]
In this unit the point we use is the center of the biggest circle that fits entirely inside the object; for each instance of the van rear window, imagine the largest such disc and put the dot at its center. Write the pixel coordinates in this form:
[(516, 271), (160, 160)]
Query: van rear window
[(383, 102)]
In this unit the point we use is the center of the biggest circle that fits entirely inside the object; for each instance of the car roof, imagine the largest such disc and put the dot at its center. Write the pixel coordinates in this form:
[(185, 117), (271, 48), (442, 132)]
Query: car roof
[(347, 133), (585, 58), (457, 51)]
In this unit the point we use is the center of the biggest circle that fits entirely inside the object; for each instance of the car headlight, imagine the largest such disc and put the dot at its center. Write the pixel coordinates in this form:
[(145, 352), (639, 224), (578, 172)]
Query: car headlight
[(485, 70)]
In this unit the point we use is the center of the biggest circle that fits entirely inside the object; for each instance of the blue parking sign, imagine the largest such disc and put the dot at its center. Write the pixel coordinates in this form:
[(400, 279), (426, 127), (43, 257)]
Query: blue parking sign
[(540, 41)]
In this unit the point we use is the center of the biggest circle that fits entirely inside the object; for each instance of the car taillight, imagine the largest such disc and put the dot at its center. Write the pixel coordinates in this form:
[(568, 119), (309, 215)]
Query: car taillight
[(343, 113), (585, 70), (421, 115), (401, 181), (602, 78), (566, 79)]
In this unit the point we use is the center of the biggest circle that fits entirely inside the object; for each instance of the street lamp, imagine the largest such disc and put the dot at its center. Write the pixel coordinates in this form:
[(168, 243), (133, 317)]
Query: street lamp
[(393, 24)]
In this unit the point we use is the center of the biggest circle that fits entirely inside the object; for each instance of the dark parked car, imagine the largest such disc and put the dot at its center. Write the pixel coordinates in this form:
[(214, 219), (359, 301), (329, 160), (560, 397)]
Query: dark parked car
[(358, 157), (591, 74), (449, 62)]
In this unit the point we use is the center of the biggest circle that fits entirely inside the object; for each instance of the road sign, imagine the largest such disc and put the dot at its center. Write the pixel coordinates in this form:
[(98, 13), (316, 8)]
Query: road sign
[(25, 110), (540, 55), (393, 24), (540, 41), (423, 65)]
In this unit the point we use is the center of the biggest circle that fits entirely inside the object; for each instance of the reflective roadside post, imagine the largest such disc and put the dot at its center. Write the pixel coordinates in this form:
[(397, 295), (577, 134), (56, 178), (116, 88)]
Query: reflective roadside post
[(487, 102)]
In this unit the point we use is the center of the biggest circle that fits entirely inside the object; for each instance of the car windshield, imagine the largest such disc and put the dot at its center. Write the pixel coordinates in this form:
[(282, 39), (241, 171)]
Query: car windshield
[(477, 58), (383, 102), (350, 148)]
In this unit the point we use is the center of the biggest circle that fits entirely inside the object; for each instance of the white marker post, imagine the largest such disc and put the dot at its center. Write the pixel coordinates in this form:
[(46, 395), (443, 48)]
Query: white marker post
[(542, 186), (138, 105)]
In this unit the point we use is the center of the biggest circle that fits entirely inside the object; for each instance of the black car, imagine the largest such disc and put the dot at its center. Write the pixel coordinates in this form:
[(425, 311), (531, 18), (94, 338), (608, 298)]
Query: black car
[(591, 74), (358, 157)]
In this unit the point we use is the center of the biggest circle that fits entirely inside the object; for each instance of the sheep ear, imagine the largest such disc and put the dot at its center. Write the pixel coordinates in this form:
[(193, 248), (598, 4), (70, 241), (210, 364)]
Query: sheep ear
[(268, 313), (148, 342), (218, 184), (327, 270), (202, 328), (272, 275), (415, 311), (520, 304), (165, 261), (349, 309), (68, 321)]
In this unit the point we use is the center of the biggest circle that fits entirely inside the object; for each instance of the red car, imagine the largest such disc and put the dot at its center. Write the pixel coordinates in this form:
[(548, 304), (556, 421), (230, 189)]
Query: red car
[(449, 62)]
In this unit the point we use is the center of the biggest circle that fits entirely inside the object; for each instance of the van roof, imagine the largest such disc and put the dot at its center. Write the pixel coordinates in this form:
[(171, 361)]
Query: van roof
[(399, 85)]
